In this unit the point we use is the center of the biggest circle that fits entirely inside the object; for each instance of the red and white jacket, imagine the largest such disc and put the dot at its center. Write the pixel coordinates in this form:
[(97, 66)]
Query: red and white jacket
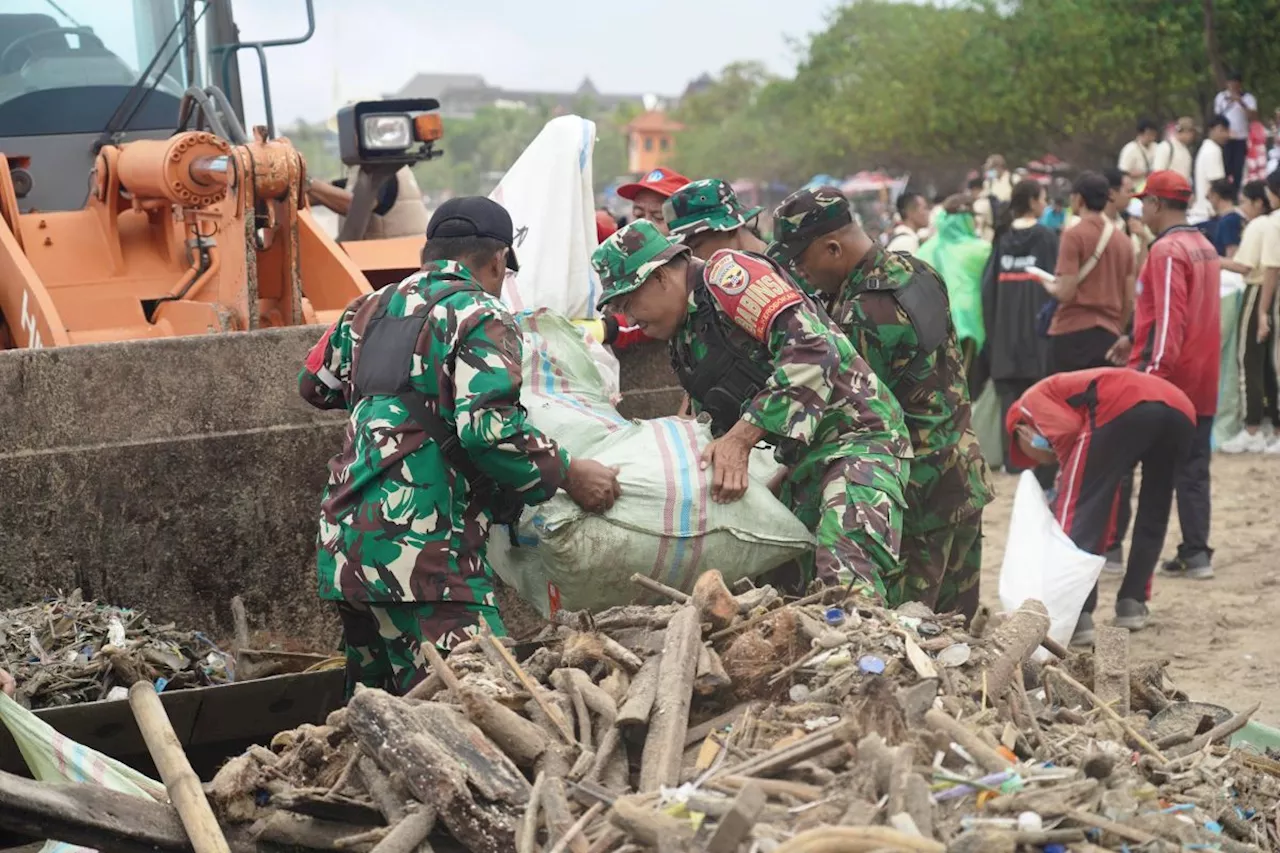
[(1176, 332)]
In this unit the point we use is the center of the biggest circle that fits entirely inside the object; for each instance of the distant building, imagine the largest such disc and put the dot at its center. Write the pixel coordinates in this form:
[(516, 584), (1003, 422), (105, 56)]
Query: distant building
[(651, 141), (462, 95)]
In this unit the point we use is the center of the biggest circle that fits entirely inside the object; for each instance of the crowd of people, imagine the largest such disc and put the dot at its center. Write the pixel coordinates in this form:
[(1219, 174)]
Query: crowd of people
[(856, 358)]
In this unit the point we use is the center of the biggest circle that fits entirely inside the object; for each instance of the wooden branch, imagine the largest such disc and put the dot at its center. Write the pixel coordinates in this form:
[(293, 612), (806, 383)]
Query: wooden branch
[(981, 752), (572, 835), (294, 830), (527, 834), (660, 588), (664, 744), (857, 839), (535, 690), (382, 791), (558, 817), (240, 621), (1218, 732), (778, 759), (640, 695), (768, 614), (1146, 745), (182, 783), (90, 816), (734, 827), (1014, 642), (406, 835), (647, 825), (439, 667), (520, 739)]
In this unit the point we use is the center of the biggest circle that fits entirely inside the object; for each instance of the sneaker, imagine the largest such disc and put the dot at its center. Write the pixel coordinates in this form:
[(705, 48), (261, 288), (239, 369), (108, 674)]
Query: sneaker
[(1245, 442), (1115, 561), (1197, 567), (1131, 614), (1273, 448), (1084, 632)]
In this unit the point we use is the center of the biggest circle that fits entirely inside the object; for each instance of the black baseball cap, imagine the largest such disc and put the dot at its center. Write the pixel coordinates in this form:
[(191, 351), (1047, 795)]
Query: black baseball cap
[(475, 216)]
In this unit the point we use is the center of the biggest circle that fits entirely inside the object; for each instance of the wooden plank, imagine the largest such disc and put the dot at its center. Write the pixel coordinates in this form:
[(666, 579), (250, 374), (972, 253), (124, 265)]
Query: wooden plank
[(664, 746), (1111, 667), (735, 826), (89, 815)]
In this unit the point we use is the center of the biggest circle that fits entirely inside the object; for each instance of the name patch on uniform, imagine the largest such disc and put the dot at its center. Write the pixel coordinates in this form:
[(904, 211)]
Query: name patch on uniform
[(749, 290)]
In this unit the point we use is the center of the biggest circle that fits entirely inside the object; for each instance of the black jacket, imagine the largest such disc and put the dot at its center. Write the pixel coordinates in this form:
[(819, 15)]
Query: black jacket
[(1011, 298)]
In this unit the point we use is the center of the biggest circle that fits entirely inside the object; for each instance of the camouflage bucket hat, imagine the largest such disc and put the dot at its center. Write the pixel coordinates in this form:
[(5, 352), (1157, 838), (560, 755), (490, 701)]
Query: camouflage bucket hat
[(708, 205), (804, 216), (629, 256)]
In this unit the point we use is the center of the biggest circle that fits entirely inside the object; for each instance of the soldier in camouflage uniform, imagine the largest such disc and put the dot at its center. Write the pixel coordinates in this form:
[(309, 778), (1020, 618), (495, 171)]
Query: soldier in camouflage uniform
[(895, 309), (706, 216), (429, 368), (757, 356)]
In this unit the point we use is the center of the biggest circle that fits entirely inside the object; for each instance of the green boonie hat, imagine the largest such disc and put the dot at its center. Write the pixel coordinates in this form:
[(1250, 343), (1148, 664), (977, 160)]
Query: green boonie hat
[(708, 205), (629, 256), (804, 216)]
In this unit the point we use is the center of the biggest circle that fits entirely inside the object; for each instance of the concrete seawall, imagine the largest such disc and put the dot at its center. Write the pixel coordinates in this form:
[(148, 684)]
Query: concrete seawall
[(173, 474)]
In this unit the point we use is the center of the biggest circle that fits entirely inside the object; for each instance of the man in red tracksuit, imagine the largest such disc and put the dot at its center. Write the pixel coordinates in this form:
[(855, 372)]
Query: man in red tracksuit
[(1176, 336), (1097, 425)]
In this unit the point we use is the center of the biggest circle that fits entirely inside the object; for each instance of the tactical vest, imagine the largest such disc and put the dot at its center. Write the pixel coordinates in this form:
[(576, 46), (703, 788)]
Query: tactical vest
[(924, 300), (382, 365), (734, 370), (406, 218)]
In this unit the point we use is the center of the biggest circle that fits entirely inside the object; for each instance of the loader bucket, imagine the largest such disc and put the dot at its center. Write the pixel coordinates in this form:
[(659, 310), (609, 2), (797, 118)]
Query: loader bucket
[(170, 475)]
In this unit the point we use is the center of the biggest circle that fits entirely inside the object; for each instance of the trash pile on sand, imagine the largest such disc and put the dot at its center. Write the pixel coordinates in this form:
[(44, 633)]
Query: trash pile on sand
[(65, 650), (729, 723)]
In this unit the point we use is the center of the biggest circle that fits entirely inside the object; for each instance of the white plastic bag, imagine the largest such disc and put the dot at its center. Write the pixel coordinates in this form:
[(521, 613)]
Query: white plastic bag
[(549, 195), (54, 758), (664, 525), (1042, 563)]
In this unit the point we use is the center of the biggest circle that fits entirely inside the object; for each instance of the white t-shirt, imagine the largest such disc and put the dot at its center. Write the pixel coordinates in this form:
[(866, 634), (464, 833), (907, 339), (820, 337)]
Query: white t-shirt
[(1209, 168), (1252, 240), (1136, 159), (904, 239), (1271, 241), (1235, 112), (1172, 154)]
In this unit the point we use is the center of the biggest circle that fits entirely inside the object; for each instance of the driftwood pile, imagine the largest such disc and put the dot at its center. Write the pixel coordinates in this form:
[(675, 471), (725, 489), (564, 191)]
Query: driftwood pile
[(65, 650), (731, 723)]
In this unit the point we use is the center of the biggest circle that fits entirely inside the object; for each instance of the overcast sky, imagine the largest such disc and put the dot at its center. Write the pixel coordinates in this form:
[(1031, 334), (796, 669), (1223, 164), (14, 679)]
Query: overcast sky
[(368, 48)]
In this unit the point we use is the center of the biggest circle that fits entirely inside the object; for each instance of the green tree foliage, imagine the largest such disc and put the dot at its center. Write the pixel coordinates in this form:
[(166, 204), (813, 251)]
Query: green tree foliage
[(917, 86)]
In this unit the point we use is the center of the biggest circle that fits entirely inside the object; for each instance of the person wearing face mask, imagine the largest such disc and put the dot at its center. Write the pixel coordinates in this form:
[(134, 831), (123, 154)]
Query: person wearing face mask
[(1096, 425), (764, 363), (648, 194), (437, 450)]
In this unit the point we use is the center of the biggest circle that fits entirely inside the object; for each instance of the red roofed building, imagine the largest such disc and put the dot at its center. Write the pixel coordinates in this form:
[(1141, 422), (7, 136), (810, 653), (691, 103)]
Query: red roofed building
[(651, 141)]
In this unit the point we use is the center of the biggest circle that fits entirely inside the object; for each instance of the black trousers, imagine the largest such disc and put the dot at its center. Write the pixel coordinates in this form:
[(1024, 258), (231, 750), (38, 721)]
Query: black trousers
[(1257, 369), (1080, 350), (1150, 434), (1234, 154)]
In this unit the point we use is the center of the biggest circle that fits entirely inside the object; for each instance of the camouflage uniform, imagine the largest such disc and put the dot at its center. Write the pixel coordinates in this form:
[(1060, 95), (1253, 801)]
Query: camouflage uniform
[(910, 342), (707, 205), (402, 543), (822, 407)]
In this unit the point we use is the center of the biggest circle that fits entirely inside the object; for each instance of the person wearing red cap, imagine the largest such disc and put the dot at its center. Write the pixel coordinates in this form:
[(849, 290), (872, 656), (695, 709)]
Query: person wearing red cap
[(1097, 425), (648, 194), (1176, 336)]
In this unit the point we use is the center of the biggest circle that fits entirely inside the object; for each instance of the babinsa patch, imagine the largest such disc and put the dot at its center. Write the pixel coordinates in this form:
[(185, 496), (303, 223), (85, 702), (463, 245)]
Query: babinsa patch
[(749, 290)]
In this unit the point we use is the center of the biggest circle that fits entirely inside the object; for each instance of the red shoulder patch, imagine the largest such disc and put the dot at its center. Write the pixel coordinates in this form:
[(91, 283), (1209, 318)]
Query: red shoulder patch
[(750, 290)]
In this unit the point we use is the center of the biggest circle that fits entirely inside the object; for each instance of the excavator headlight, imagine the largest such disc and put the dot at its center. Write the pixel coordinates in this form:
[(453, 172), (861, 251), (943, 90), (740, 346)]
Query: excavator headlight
[(386, 132), (395, 131)]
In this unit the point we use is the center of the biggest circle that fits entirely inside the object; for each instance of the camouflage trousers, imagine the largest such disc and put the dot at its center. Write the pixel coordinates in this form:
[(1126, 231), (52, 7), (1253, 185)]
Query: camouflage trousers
[(384, 641), (857, 528), (942, 567)]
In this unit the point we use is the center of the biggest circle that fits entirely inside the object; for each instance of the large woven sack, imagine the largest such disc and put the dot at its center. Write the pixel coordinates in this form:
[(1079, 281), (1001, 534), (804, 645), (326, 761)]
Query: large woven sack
[(664, 526), (51, 757)]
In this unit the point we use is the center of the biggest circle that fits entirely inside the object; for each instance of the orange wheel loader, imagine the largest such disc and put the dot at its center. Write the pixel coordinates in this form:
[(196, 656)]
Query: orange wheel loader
[(161, 280)]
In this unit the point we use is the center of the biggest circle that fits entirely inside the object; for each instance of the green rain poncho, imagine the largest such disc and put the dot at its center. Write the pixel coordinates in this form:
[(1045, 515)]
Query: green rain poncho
[(959, 256)]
